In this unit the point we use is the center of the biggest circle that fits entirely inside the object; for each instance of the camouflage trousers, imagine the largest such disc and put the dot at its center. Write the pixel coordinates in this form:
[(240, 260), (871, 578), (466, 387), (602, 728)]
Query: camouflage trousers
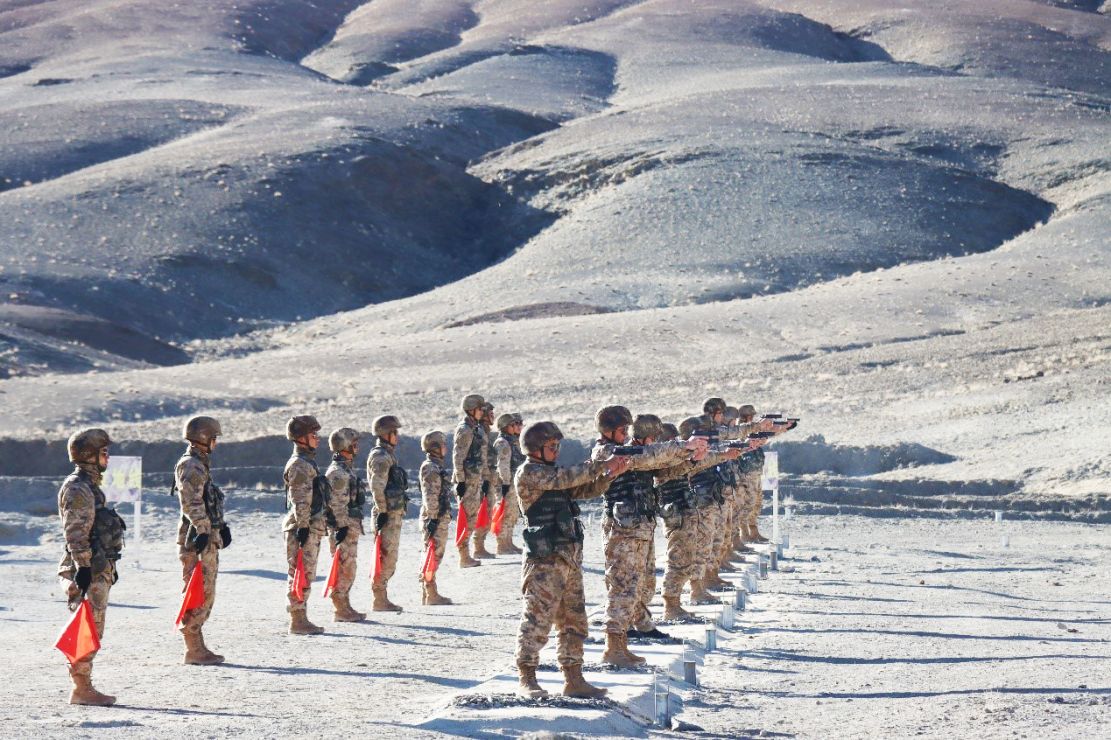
[(714, 532), (753, 501), (312, 554), (391, 542), (731, 517), (512, 514), (98, 600), (439, 538), (630, 573), (553, 595), (194, 619), (683, 551), (469, 504), (348, 556)]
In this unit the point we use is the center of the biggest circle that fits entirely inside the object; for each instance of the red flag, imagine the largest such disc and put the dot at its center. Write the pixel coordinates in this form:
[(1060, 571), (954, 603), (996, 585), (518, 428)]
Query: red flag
[(461, 528), (428, 569), (194, 593), (482, 521), (376, 569), (333, 574), (80, 637), (499, 516), (300, 580)]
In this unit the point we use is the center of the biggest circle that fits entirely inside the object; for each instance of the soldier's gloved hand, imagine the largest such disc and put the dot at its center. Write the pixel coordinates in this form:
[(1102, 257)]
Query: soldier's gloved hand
[(460, 489), (341, 534), (504, 490), (84, 578), (485, 487), (302, 536), (201, 542), (380, 522), (225, 535), (430, 527)]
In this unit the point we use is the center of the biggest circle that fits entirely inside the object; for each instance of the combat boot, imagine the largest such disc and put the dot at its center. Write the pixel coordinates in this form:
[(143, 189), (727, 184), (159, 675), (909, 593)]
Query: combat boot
[(299, 624), (715, 581), (432, 596), (699, 594), (465, 559), (657, 634), (195, 651), (382, 602), (575, 686), (756, 536), (528, 687), (344, 612), (84, 694), (480, 550), (674, 612), (617, 652), (506, 547), (726, 566)]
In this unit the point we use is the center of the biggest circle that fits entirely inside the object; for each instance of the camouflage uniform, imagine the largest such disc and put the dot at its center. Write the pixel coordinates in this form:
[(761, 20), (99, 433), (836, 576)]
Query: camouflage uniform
[(306, 510), (492, 482), (192, 479), (79, 501), (468, 457), (435, 488), (552, 585), (507, 451), (344, 510), (752, 469), (388, 483)]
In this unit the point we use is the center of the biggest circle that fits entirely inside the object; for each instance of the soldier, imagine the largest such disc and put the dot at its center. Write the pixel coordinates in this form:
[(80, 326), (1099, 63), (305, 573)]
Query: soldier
[(344, 515), (305, 524), (507, 450), (733, 533), (202, 532), (491, 483), (435, 511), (468, 457), (388, 483), (752, 471), (551, 575), (629, 524), (93, 540)]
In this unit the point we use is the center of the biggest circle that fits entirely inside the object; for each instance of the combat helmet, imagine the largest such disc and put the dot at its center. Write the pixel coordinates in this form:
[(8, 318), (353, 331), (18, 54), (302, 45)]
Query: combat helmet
[(690, 425), (201, 429), (609, 418), (537, 435), (85, 445), (647, 425), (472, 401), (431, 441), (299, 426), (507, 420), (383, 425), (342, 439), (713, 405)]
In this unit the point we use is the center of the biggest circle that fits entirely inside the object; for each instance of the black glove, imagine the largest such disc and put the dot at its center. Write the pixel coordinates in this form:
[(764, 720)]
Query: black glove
[(431, 526), (460, 489), (485, 487), (341, 534), (380, 522), (302, 536), (504, 490), (84, 578), (225, 535), (201, 542)]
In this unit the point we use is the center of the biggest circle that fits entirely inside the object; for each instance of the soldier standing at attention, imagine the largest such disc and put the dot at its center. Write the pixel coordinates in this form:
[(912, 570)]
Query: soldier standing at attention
[(491, 484), (93, 540), (468, 457), (388, 483), (507, 451), (435, 511), (202, 532), (304, 524), (344, 514), (551, 575)]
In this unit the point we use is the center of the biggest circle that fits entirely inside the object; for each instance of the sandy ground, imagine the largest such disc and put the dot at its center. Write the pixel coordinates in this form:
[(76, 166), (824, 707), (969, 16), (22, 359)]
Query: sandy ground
[(898, 628)]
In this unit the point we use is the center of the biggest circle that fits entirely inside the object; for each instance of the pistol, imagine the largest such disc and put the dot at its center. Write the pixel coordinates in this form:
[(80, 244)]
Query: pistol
[(628, 450), (761, 435), (773, 416)]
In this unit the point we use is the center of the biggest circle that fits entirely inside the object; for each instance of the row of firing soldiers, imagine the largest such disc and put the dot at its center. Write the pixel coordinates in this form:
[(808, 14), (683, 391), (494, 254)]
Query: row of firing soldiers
[(692, 476)]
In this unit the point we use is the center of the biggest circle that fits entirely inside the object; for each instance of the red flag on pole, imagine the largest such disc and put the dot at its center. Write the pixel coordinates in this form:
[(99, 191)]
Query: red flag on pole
[(333, 574), (376, 569), (194, 593), (428, 569), (300, 580), (461, 527), (499, 516), (482, 521), (80, 637)]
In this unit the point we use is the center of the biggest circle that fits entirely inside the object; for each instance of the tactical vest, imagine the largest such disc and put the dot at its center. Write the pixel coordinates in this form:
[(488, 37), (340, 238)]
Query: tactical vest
[(705, 488), (630, 499), (213, 499), (473, 461), (491, 452), (552, 523), (443, 502), (728, 473), (321, 489), (397, 483), (356, 494), (516, 457), (674, 498), (106, 537), (752, 462)]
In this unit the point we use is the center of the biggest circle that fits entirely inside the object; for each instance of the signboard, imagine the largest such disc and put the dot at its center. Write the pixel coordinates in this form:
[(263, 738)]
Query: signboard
[(123, 480), (770, 479)]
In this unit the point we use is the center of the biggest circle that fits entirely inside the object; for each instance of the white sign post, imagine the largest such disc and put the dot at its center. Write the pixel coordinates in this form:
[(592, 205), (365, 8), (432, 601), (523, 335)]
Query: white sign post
[(769, 481), (123, 481)]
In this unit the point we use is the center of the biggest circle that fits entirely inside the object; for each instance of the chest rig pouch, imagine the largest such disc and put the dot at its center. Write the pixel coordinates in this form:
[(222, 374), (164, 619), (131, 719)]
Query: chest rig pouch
[(397, 482), (106, 538), (356, 497), (551, 524), (630, 499), (705, 488), (752, 462), (472, 463), (443, 501), (674, 499), (213, 499)]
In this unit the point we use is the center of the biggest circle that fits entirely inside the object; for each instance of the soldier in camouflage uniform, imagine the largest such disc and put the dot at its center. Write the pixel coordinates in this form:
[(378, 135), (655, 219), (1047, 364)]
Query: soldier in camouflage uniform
[(753, 470), (551, 576), (435, 511), (305, 524), (202, 531), (491, 483), (344, 515), (388, 483), (733, 536), (469, 466), (93, 535), (629, 525), (507, 452)]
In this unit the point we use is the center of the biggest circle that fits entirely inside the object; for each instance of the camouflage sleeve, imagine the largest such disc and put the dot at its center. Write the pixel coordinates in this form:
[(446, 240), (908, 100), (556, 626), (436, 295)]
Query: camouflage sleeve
[(534, 480), (339, 480), (190, 492), (689, 467), (594, 489), (659, 455), (464, 433), (298, 479), (77, 505), (738, 432), (505, 454), (430, 487), (378, 473)]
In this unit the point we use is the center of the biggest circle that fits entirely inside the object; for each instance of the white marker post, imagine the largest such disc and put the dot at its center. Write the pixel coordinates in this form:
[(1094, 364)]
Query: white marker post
[(123, 481), (769, 481)]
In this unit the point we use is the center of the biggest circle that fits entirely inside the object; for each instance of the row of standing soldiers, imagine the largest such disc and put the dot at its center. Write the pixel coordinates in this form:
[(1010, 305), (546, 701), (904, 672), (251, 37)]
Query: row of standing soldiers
[(707, 502)]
